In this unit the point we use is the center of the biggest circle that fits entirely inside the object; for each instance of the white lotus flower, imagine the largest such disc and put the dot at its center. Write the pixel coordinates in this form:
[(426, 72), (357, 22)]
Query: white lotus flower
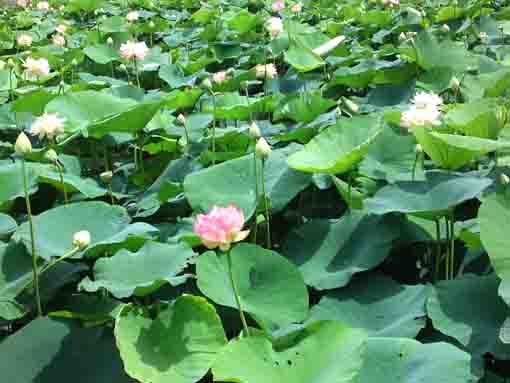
[(48, 125), (134, 50), (24, 40), (132, 16), (36, 68), (43, 6), (274, 26), (424, 111)]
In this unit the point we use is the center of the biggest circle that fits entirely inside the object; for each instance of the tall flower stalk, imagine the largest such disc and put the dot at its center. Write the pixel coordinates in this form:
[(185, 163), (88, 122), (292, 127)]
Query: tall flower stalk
[(263, 150)]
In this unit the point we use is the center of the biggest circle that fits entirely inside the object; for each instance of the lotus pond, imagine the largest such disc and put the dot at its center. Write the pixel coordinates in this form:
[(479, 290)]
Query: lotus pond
[(254, 191)]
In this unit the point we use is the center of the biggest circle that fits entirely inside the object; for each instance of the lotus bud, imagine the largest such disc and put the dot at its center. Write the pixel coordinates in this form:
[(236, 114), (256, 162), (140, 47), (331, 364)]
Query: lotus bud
[(51, 156), (352, 106), (418, 149), (445, 28), (207, 84), (181, 119), (262, 149), (74, 62), (152, 25), (123, 68), (109, 41), (106, 177), (22, 145), (81, 239), (504, 179), (254, 130), (455, 83)]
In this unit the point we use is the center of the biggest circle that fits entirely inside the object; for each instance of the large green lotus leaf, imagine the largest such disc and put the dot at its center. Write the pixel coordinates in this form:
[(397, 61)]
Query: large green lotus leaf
[(483, 118), (82, 108), (179, 345), (304, 108), (102, 54), (453, 151), (391, 157), (233, 182), (378, 305), (270, 287), (338, 148), (11, 179), (180, 99), (401, 360), (232, 106), (242, 21), (302, 58), (494, 217), (174, 76), (131, 120), (470, 310), (431, 54), (85, 5), (33, 102), (54, 229), (142, 272), (7, 225), (490, 84), (439, 192), (48, 351), (324, 352), (329, 252)]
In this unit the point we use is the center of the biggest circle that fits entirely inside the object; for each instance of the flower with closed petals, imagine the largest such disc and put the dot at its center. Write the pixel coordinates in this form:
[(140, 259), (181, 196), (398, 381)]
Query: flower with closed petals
[(132, 16), (221, 227), (274, 26), (219, 77), (61, 28), (81, 239), (59, 40), (22, 145), (36, 68), (262, 148), (296, 8), (43, 6), (24, 40), (278, 5), (48, 125), (132, 50), (266, 71)]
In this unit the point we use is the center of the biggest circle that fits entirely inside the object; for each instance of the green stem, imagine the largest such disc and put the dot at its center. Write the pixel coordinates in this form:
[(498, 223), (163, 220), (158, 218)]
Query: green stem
[(414, 165), (266, 207), (61, 175), (137, 74), (438, 249), (236, 294), (452, 246), (213, 143), (32, 241), (255, 167), (60, 259), (447, 259)]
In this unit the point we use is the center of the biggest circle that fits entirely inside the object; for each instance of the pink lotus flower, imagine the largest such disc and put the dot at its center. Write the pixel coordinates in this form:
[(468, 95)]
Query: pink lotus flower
[(220, 77), (278, 5), (221, 227), (133, 50), (296, 8)]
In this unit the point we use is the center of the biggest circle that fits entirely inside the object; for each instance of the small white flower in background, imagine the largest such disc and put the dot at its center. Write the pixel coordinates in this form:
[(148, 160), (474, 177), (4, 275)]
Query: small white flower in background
[(266, 71), (43, 6), (2, 65), (254, 130), (424, 111), (59, 40), (262, 148), (134, 50), (483, 36), (274, 26), (22, 145), (48, 125), (278, 5), (61, 28), (132, 16), (24, 40), (81, 239), (296, 8), (329, 46), (219, 77), (36, 68)]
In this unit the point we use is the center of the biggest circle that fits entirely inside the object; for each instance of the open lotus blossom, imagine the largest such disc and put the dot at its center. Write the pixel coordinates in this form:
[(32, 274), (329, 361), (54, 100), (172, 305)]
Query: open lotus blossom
[(24, 40), (266, 71), (43, 6), (274, 26), (61, 28), (132, 50), (22, 3), (132, 16), (221, 227), (329, 46), (391, 3), (278, 5), (220, 77), (59, 40), (424, 111), (296, 8), (36, 68), (48, 125)]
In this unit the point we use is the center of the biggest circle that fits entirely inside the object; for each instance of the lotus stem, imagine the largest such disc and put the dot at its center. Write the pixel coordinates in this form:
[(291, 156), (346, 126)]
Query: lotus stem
[(452, 246), (213, 142), (236, 295), (266, 207), (32, 241), (255, 169)]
